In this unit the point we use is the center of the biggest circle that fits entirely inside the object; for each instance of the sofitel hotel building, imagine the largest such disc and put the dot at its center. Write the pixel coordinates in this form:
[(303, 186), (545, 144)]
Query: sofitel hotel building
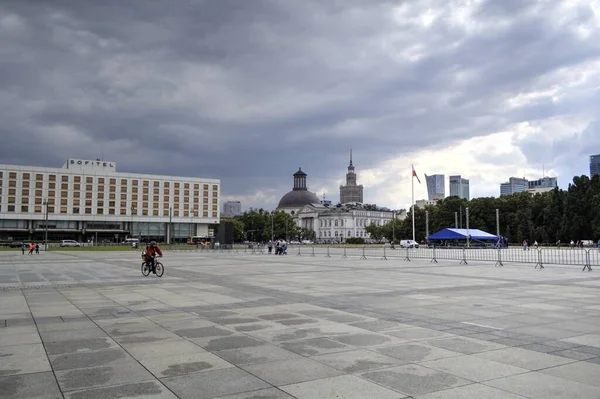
[(89, 200)]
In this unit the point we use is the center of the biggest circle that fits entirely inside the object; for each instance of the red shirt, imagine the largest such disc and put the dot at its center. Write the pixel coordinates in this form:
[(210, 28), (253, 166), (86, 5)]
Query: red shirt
[(151, 251)]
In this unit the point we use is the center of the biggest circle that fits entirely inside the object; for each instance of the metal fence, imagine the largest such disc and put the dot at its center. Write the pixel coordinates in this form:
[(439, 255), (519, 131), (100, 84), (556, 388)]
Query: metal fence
[(539, 257)]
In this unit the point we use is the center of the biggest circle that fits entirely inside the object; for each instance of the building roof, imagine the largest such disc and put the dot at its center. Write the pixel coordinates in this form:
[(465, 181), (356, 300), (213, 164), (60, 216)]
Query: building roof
[(461, 234), (298, 199)]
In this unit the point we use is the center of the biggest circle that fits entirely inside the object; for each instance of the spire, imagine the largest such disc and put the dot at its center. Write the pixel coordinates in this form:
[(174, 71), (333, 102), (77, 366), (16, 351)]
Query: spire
[(350, 156)]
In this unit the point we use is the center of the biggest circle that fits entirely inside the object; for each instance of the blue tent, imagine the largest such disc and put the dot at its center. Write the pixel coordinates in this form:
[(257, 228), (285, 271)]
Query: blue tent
[(461, 234)]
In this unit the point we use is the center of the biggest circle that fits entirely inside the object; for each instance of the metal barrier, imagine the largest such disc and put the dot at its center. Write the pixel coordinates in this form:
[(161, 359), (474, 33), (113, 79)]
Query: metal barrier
[(538, 257)]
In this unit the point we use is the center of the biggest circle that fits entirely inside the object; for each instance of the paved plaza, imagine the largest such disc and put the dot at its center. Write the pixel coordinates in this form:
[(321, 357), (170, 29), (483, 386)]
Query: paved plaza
[(239, 326)]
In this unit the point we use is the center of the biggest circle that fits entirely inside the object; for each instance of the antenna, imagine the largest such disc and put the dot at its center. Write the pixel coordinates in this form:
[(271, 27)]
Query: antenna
[(543, 171)]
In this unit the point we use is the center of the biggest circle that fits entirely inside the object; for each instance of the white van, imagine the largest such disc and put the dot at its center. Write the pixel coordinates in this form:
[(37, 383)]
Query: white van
[(69, 243), (131, 241), (409, 244)]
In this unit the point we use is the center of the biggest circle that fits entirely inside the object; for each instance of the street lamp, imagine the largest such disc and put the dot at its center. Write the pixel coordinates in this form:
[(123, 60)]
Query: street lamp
[(272, 216), (46, 226), (131, 229), (393, 227), (170, 225)]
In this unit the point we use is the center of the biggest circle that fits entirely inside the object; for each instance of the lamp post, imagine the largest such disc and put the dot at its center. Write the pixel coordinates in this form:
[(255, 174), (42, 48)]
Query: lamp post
[(394, 228), (468, 234), (131, 228), (46, 226), (272, 216), (170, 240)]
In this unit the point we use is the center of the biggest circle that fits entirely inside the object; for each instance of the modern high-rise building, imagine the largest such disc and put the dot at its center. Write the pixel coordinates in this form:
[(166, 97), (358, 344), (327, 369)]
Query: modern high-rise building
[(513, 186), (232, 208), (436, 187), (351, 192), (89, 200), (459, 187), (594, 165), (544, 182)]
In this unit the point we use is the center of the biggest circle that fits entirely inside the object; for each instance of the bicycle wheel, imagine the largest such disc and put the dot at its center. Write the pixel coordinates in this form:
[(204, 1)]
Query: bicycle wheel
[(145, 269), (160, 269)]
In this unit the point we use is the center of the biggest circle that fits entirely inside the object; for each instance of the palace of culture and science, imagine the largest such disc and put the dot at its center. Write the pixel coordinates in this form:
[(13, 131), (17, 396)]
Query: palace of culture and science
[(336, 223)]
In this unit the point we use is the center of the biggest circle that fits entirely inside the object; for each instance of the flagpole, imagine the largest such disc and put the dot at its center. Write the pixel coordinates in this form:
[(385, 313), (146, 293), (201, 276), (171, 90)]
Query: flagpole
[(412, 179)]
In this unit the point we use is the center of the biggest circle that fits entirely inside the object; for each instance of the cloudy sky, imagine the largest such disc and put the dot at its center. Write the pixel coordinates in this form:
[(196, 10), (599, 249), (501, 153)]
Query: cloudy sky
[(249, 90)]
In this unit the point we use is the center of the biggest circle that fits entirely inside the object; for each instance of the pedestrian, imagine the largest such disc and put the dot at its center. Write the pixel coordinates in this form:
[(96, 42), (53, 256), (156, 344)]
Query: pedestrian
[(31, 248), (23, 249), (37, 249)]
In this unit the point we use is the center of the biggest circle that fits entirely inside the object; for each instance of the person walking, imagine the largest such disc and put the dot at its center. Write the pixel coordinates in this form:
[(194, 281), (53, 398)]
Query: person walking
[(23, 249), (37, 249), (31, 248)]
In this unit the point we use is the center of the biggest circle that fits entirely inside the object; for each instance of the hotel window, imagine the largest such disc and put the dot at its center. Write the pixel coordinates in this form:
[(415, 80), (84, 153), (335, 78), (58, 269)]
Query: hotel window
[(176, 193), (156, 184), (123, 182), (63, 209), (134, 189), (186, 206), (25, 183), (146, 183), (156, 198), (64, 178), (64, 194), (12, 175), (25, 200), (101, 195), (52, 194), (77, 179), (134, 197), (205, 214), (123, 196), (76, 186), (39, 184), (50, 209), (167, 191), (186, 199), (113, 181), (111, 211), (186, 185), (123, 211), (205, 193), (196, 207), (99, 211), (215, 201), (26, 176), (176, 185), (100, 188), (205, 207), (186, 193), (156, 191), (12, 191), (37, 209), (134, 183), (196, 200), (12, 183), (196, 187), (166, 198), (38, 193), (64, 186), (205, 187), (88, 202), (76, 202), (39, 177), (89, 187), (111, 204), (64, 201), (196, 213), (112, 189), (123, 204), (145, 205), (166, 212), (176, 205), (144, 198), (215, 187), (89, 179), (215, 208), (76, 210), (112, 196), (77, 194), (38, 201), (155, 212), (88, 211), (100, 203), (101, 180), (145, 190), (144, 212)]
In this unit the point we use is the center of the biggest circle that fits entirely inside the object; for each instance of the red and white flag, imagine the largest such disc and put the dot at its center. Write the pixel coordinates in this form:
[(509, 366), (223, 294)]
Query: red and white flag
[(415, 174)]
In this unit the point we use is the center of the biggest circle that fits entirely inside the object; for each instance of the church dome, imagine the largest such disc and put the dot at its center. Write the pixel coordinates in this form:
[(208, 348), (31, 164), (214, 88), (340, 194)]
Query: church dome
[(300, 195), (297, 199)]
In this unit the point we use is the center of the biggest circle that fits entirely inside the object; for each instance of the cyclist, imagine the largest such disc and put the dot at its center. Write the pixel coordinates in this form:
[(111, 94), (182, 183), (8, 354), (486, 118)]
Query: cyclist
[(151, 251)]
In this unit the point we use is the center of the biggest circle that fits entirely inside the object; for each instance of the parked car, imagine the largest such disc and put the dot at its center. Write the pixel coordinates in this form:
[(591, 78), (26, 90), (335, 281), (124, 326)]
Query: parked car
[(409, 244), (69, 243), (15, 244)]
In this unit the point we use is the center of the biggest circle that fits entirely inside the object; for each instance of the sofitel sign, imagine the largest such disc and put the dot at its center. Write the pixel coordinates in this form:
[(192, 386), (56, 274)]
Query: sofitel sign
[(82, 162)]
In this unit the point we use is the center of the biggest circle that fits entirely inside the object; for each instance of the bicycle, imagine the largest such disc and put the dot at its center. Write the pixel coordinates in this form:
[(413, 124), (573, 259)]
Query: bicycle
[(158, 268)]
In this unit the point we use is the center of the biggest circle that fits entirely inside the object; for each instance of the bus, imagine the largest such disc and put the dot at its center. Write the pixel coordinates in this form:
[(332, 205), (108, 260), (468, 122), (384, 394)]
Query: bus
[(198, 240)]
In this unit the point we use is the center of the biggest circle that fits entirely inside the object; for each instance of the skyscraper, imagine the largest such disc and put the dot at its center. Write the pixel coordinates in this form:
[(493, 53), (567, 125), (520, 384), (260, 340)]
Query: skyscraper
[(459, 187), (232, 208), (351, 192), (514, 185), (594, 165), (435, 187), (544, 182)]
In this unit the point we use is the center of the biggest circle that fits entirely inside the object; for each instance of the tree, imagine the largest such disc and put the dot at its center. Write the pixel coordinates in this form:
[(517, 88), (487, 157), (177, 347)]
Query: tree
[(375, 231)]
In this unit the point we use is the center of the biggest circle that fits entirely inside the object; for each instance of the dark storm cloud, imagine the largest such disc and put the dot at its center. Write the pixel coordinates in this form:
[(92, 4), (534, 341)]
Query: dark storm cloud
[(247, 91)]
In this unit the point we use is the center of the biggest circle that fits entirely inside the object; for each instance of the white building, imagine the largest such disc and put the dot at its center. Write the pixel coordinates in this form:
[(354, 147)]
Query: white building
[(232, 208), (423, 203), (87, 199)]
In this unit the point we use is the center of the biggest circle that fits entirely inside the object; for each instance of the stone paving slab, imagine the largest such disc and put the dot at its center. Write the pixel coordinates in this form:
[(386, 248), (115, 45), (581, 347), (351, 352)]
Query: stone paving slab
[(235, 326)]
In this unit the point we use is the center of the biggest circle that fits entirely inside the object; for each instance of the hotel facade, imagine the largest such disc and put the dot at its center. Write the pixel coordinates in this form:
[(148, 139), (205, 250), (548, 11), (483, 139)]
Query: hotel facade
[(89, 200)]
